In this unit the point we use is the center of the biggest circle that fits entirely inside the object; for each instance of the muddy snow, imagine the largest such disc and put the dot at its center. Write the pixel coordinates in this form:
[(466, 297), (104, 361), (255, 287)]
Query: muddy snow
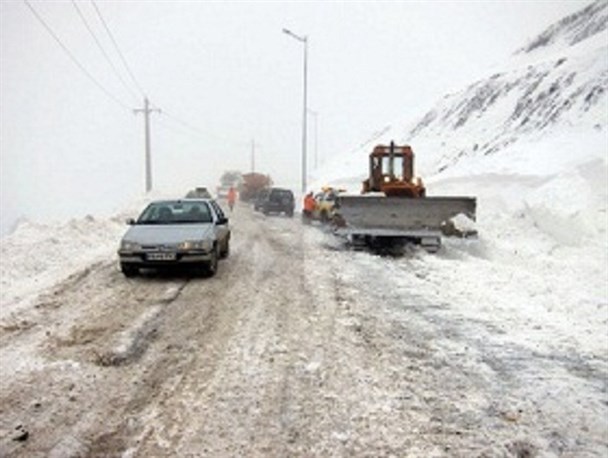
[(299, 347)]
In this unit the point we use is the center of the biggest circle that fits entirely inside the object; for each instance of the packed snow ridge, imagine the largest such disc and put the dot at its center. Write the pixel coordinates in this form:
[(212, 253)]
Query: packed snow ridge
[(574, 28)]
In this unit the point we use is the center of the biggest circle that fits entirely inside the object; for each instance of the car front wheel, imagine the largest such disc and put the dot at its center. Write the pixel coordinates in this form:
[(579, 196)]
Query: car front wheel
[(226, 250), (211, 267), (129, 270)]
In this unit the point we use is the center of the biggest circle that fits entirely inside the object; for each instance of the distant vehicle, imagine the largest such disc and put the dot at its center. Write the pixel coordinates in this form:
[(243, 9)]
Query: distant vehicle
[(221, 192), (261, 195), (252, 184), (192, 232), (277, 200), (325, 206), (232, 178), (199, 193)]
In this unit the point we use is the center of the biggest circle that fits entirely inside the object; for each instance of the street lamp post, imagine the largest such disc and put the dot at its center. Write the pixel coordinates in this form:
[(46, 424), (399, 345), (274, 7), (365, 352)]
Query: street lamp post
[(315, 115), (304, 41)]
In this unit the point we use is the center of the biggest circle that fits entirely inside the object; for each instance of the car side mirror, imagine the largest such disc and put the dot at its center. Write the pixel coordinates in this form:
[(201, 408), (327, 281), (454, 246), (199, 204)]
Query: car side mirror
[(222, 221), (130, 221)]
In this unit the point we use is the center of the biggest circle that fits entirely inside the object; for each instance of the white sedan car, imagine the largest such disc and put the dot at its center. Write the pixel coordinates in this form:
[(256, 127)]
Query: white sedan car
[(191, 232)]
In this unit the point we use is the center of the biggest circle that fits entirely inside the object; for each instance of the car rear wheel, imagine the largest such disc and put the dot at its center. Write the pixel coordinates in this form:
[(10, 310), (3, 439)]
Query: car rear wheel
[(129, 270)]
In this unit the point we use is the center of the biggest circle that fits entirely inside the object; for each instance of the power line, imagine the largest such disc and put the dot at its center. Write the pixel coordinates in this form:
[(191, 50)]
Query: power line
[(192, 130), (201, 133), (187, 128), (190, 127), (103, 51), (72, 57), (122, 58), (185, 124)]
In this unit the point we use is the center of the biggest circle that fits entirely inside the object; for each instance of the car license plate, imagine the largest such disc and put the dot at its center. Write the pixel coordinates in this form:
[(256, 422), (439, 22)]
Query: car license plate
[(161, 257)]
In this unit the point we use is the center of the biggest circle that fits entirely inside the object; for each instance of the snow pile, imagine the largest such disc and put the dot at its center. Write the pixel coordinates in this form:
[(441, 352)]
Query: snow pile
[(463, 224), (565, 194), (36, 256), (51, 253)]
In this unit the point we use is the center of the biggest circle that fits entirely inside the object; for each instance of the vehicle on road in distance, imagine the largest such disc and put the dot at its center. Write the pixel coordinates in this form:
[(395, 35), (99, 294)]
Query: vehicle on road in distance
[(229, 179), (252, 184), (277, 200), (187, 232), (259, 198), (221, 192), (326, 204), (199, 193)]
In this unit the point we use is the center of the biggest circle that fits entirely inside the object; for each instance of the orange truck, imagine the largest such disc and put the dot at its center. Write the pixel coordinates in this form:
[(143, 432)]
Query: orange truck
[(252, 184)]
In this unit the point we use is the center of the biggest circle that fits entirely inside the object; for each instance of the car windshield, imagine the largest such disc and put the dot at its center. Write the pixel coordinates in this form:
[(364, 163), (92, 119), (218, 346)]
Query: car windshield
[(176, 213), (279, 194)]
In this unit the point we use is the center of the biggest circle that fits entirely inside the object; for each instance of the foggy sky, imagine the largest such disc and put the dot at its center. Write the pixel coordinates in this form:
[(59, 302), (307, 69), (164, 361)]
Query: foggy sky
[(67, 149)]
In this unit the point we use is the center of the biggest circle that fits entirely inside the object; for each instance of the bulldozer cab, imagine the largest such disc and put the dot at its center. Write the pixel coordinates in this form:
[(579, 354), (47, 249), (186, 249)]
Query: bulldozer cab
[(391, 171)]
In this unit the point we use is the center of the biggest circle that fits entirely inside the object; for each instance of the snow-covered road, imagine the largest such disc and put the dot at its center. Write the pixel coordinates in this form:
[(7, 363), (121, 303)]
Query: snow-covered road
[(299, 348)]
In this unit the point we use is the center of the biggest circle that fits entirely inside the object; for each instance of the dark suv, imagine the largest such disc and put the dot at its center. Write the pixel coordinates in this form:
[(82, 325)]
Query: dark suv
[(277, 200), (260, 198)]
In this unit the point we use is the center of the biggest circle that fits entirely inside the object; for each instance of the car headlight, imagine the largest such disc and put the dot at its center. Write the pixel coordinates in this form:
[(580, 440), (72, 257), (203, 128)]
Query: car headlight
[(126, 245), (205, 245)]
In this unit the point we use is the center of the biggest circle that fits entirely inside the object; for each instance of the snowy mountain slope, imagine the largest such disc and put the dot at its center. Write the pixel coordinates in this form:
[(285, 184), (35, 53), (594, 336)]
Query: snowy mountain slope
[(542, 90), (573, 29), (531, 140), (533, 100)]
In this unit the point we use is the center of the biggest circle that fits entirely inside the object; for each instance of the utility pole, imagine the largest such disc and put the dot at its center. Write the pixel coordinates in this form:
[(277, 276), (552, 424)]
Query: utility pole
[(305, 116), (315, 114), (252, 155), (316, 144), (146, 110)]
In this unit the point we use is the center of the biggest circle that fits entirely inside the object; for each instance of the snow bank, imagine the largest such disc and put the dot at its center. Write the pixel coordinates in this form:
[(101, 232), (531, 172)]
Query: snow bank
[(560, 183), (540, 266), (36, 256)]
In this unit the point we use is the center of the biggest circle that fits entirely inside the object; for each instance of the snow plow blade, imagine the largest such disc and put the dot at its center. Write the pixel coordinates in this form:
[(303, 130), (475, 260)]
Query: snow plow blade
[(422, 220)]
